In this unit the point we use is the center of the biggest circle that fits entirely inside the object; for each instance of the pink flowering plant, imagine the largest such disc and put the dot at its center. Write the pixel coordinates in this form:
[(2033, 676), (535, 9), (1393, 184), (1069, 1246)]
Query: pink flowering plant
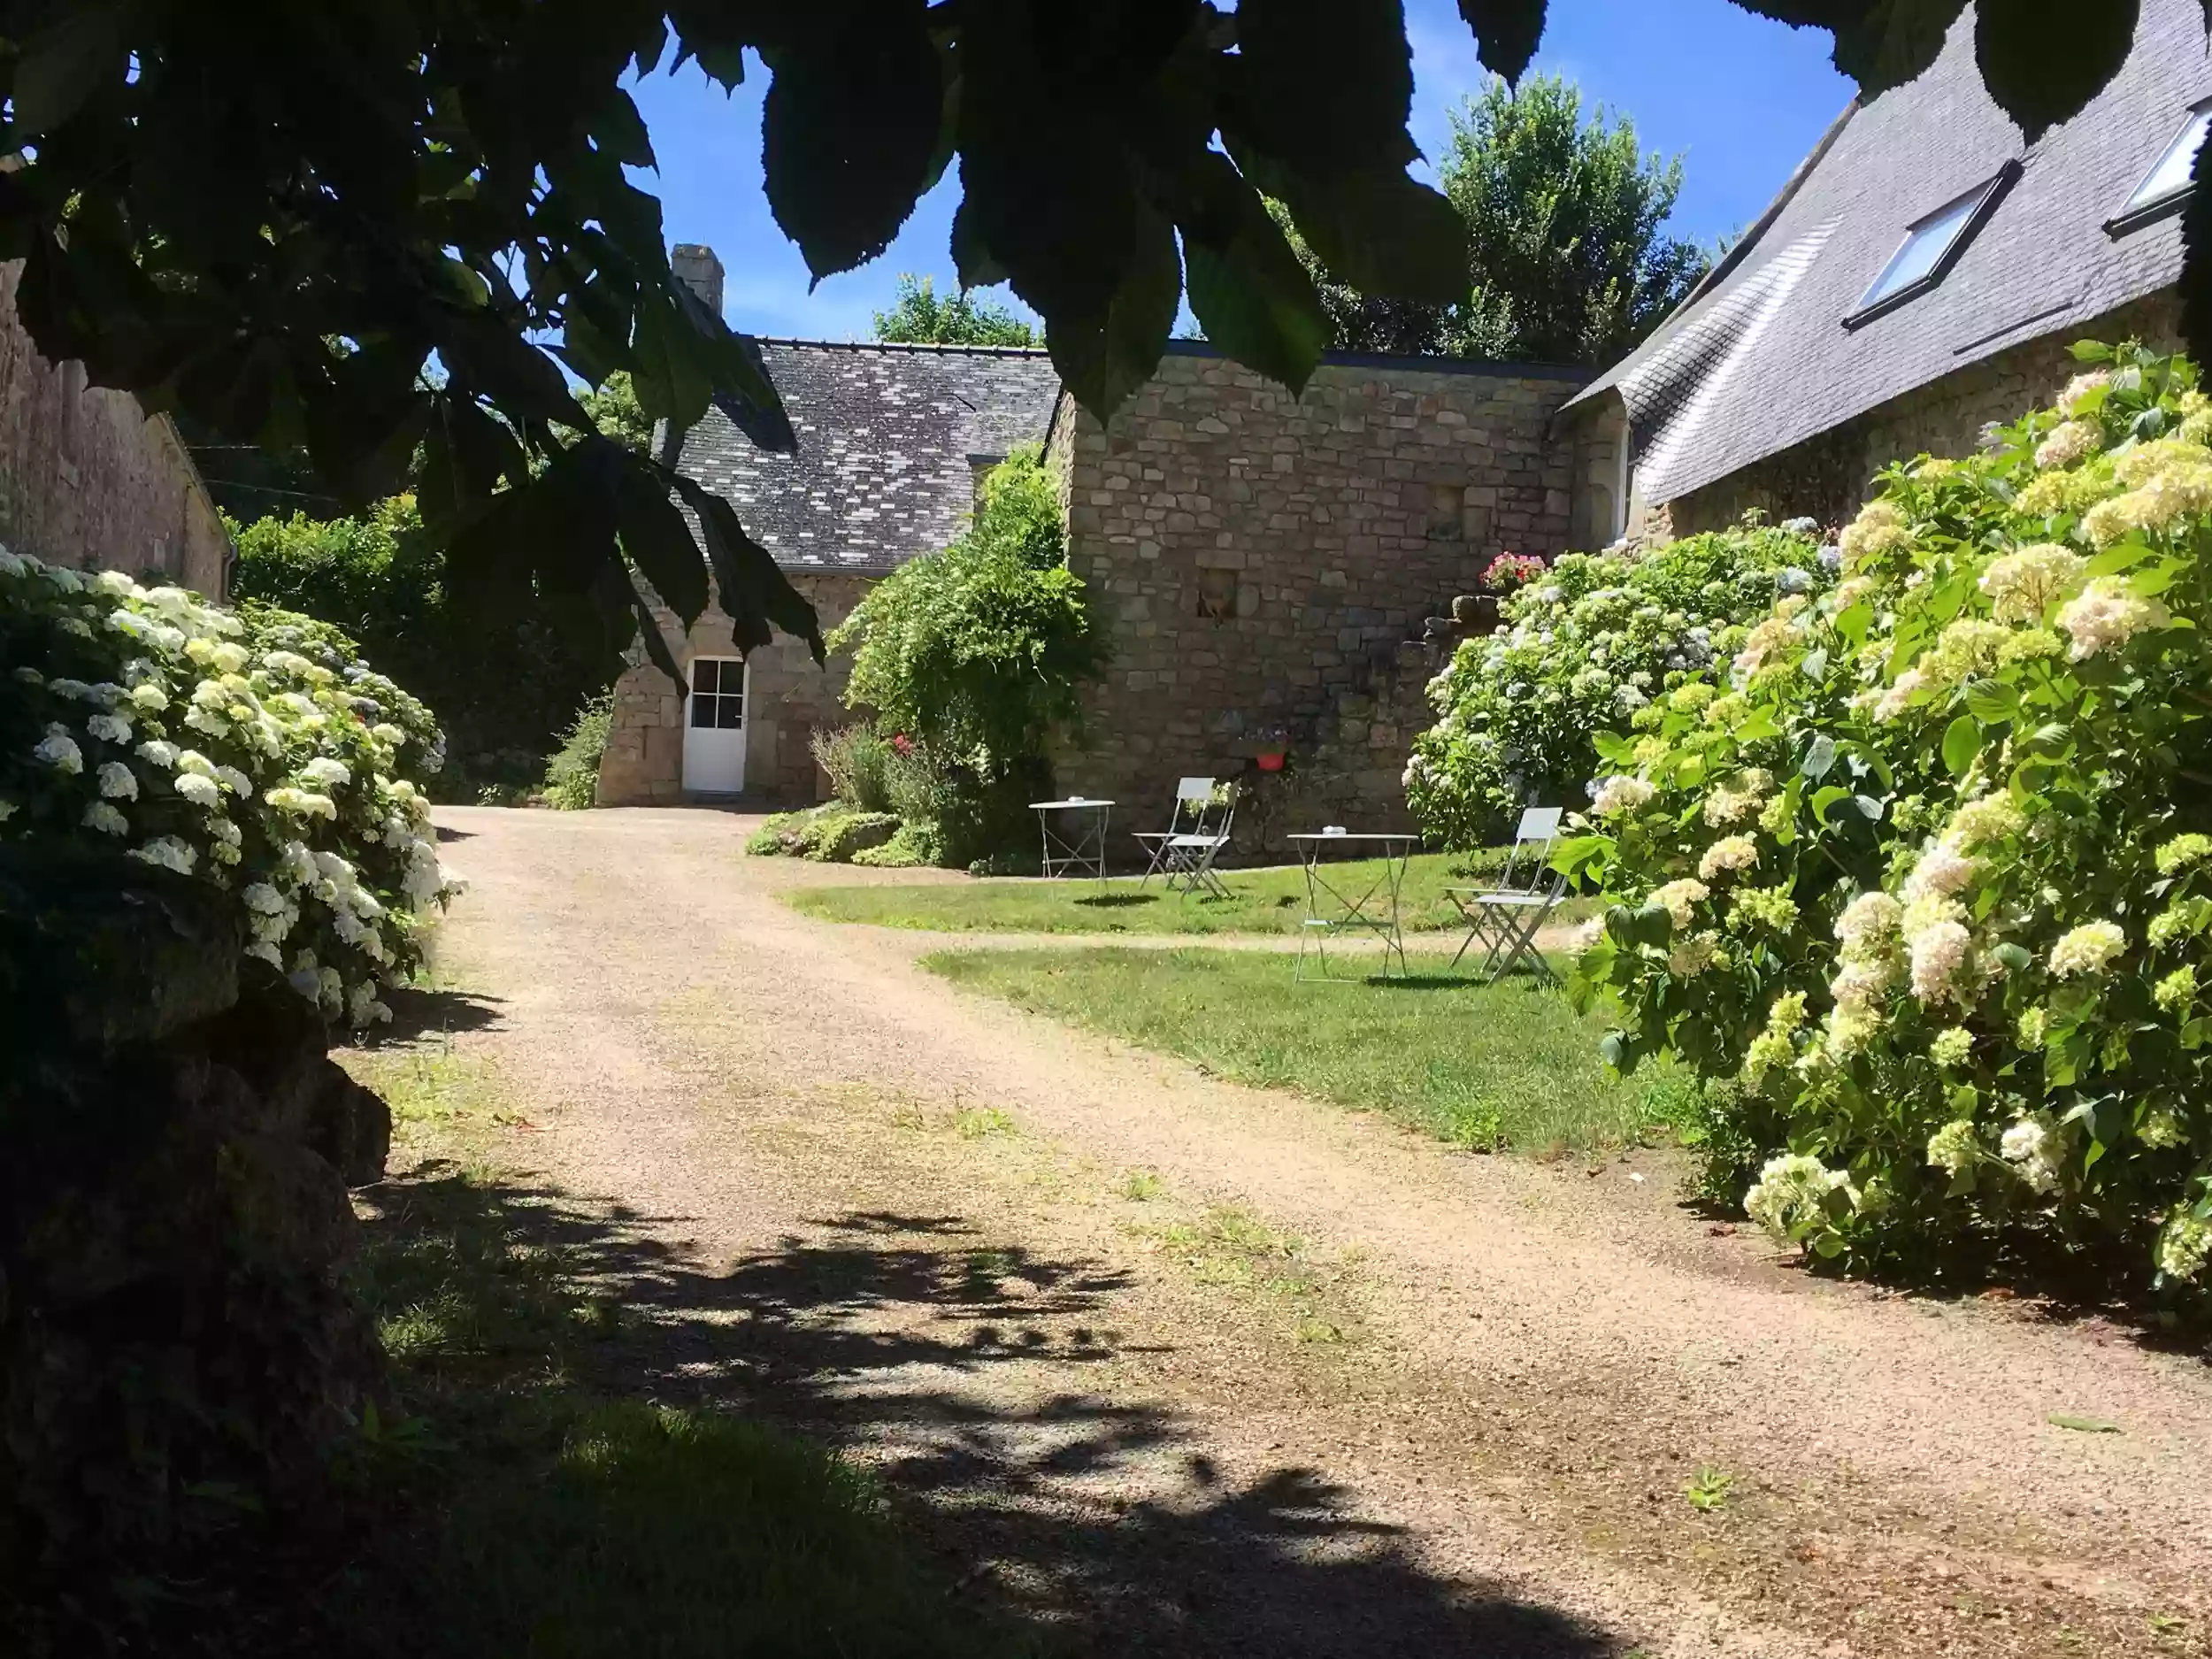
[(252, 752), (1923, 891), (1510, 572)]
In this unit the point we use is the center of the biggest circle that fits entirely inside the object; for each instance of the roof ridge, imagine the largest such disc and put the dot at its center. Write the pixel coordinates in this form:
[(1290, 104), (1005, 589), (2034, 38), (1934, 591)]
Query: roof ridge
[(903, 345)]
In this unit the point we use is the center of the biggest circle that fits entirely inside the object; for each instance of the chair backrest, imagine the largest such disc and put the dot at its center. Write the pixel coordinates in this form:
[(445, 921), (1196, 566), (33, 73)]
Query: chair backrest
[(1527, 866), (1194, 797)]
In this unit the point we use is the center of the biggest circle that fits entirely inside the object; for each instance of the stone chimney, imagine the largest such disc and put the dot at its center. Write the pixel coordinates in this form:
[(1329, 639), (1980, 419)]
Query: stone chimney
[(695, 263)]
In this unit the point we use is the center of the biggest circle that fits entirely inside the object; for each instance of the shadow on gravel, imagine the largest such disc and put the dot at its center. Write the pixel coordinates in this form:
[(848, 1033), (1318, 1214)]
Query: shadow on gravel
[(418, 1013), (1092, 1526)]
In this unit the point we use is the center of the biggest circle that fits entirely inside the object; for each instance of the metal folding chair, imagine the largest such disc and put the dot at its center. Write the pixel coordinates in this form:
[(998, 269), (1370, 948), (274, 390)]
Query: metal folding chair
[(1189, 859), (1505, 918), (1194, 804)]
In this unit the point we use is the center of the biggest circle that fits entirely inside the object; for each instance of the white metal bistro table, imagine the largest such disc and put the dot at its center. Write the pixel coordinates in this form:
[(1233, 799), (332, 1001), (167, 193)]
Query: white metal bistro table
[(1333, 907), (1083, 849)]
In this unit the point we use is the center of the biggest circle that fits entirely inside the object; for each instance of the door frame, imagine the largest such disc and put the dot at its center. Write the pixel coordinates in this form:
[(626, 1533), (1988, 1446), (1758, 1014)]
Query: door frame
[(742, 730)]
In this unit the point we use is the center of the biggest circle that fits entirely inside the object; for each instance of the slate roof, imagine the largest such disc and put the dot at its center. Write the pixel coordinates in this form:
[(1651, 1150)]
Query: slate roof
[(1759, 360), (886, 434)]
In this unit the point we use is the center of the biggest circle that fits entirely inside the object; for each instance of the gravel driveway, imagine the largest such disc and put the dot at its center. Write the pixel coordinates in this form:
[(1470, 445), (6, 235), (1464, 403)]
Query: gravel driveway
[(1185, 1367)]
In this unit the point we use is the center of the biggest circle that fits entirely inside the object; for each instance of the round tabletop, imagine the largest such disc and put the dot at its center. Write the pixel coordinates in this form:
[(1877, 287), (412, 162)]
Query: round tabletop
[(1046, 806), (1357, 835)]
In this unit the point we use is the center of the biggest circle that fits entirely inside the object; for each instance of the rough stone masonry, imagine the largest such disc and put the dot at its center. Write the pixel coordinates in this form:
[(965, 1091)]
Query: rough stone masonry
[(1265, 564)]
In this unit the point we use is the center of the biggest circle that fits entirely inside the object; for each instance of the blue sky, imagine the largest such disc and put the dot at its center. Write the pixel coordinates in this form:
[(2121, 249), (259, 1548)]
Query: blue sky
[(1741, 97)]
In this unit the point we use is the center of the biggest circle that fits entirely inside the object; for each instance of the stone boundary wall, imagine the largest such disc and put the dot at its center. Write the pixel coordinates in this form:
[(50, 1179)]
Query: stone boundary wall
[(1260, 561), (1827, 477), (89, 480), (790, 696)]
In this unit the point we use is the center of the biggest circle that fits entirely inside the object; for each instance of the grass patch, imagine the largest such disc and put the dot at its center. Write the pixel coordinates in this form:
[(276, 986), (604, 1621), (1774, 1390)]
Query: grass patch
[(521, 1494), (431, 1088), (1260, 902), (1508, 1065), (1230, 1247)]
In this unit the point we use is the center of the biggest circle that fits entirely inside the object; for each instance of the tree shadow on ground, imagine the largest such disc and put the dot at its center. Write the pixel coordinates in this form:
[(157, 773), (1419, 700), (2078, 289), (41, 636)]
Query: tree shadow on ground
[(417, 1012), (1100, 1526)]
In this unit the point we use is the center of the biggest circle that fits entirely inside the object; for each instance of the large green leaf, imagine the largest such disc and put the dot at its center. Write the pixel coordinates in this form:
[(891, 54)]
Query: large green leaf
[(1323, 84), (1879, 44), (62, 65), (1506, 33), (1106, 356), (2038, 86), (1378, 231), (1247, 288), (849, 130), (752, 590)]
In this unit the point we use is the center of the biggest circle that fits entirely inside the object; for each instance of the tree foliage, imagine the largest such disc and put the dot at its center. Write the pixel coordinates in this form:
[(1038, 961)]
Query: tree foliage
[(502, 687), (270, 218), (1568, 258), (1566, 228), (918, 317)]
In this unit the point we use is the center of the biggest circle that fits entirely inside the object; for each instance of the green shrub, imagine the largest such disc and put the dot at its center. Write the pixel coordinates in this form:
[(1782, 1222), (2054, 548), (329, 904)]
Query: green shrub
[(794, 834), (1925, 897), (1591, 641), (572, 775), (975, 657), (502, 684), (256, 754), (841, 837), (858, 762), (916, 845)]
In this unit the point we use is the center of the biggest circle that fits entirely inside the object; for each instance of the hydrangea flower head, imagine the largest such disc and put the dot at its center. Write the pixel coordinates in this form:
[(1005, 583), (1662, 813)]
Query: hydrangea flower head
[(2020, 585), (2182, 851), (2177, 991), (2087, 949), (59, 751), (1792, 1194), (2037, 1149), (1612, 796), (1727, 855), (1956, 1147), (2107, 615), (2069, 441), (1680, 899)]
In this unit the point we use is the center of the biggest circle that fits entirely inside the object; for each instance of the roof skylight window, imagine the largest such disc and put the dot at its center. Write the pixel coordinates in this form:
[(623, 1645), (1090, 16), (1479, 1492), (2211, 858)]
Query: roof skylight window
[(1931, 247), (2165, 187)]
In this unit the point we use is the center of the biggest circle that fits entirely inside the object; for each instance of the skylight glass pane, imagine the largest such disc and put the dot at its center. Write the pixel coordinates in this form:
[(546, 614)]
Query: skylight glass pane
[(2170, 176), (1926, 244)]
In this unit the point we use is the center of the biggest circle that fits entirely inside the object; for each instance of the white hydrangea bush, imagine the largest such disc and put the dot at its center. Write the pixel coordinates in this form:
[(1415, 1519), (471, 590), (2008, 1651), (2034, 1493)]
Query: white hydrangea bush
[(1586, 645), (1923, 893), (253, 754)]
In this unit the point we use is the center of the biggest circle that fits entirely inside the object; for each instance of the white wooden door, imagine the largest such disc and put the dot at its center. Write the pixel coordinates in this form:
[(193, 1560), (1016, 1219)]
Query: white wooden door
[(714, 725)]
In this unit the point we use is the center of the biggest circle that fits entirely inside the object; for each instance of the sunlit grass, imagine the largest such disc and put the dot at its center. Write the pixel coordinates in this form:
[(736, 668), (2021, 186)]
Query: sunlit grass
[(1509, 1065)]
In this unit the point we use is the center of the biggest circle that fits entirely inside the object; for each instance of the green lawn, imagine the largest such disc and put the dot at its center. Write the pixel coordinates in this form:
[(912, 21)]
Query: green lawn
[(1509, 1065), (1260, 902)]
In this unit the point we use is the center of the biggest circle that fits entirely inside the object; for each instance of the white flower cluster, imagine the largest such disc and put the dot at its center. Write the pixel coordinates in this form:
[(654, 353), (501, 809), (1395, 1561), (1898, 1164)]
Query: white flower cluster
[(1791, 1196), (2035, 1148), (258, 771)]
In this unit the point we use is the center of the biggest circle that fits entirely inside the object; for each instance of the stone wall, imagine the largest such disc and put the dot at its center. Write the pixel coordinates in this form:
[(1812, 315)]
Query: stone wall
[(87, 480), (1827, 478), (790, 695), (1261, 561)]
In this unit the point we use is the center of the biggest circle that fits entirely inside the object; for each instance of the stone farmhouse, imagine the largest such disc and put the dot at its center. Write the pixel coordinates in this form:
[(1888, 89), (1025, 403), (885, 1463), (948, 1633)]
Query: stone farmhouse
[(1278, 567)]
